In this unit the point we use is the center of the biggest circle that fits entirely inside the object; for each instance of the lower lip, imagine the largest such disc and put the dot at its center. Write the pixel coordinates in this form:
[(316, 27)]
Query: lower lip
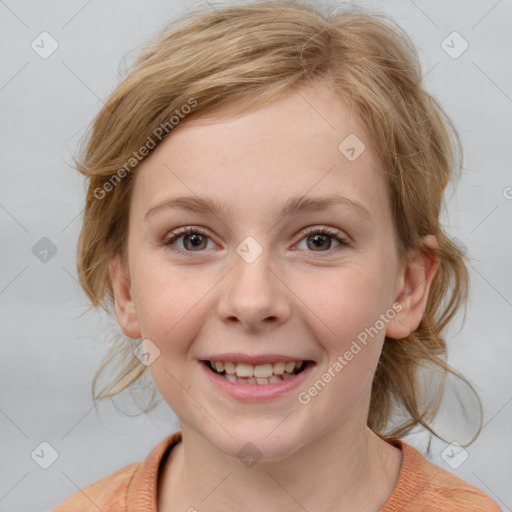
[(256, 392)]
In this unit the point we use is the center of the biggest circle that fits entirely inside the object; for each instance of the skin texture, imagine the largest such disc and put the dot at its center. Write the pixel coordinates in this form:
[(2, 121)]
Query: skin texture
[(294, 299)]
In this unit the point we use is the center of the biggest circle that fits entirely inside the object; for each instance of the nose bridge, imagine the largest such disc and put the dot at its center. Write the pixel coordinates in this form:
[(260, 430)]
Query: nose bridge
[(252, 270), (253, 266), (253, 293)]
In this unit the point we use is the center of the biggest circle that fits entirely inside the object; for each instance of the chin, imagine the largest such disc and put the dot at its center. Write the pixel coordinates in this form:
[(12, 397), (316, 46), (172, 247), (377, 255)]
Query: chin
[(254, 444)]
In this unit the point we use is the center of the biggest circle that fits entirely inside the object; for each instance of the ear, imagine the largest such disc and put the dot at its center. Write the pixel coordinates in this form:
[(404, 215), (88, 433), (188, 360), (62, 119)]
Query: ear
[(415, 283), (126, 312)]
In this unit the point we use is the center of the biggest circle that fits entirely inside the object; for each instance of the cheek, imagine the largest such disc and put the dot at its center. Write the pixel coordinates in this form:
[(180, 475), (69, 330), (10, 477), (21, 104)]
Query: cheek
[(167, 298), (171, 306), (347, 313), (343, 303)]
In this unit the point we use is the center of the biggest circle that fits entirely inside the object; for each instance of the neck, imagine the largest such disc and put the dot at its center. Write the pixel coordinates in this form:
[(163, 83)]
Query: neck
[(334, 472)]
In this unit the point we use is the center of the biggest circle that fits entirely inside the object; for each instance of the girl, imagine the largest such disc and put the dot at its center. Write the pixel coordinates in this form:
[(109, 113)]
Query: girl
[(262, 215)]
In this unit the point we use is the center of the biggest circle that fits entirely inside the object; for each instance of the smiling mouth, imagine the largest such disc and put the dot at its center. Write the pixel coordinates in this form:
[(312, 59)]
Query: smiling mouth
[(269, 373)]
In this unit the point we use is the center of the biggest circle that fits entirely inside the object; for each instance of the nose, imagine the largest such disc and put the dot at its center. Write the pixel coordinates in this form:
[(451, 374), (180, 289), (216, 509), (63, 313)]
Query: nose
[(254, 295)]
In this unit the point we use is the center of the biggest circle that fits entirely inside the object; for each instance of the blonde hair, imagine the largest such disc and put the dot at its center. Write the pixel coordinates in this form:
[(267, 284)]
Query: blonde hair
[(252, 54)]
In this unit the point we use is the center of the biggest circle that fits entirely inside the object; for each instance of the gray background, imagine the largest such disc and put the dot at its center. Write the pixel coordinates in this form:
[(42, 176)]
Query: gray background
[(49, 352)]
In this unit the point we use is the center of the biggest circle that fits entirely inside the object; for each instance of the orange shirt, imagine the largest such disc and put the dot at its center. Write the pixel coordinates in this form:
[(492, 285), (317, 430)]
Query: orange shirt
[(421, 487)]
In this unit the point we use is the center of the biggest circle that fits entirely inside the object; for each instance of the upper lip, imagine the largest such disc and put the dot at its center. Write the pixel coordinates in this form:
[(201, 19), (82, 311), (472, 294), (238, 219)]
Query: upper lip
[(254, 360)]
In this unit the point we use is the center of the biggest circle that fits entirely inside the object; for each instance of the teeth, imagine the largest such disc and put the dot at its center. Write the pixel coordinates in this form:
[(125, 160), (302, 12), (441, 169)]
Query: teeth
[(278, 368), (263, 370), (256, 380), (230, 368), (244, 370), (289, 367), (260, 373)]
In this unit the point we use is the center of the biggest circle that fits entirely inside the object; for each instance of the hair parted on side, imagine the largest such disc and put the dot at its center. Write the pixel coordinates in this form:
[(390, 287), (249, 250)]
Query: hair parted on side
[(250, 54)]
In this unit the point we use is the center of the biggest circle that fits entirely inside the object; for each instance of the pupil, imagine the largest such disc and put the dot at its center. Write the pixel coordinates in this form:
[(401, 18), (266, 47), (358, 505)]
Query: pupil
[(195, 239), (317, 240)]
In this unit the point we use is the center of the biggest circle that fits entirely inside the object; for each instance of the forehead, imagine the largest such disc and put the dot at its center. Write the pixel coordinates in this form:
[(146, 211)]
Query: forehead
[(307, 142)]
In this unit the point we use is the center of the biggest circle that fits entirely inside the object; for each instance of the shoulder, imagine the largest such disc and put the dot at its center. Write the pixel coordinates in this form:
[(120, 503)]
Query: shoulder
[(133, 487), (107, 492), (424, 486), (451, 493)]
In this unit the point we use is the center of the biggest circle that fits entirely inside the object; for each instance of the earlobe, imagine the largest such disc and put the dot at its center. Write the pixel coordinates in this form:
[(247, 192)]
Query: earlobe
[(416, 282), (124, 305)]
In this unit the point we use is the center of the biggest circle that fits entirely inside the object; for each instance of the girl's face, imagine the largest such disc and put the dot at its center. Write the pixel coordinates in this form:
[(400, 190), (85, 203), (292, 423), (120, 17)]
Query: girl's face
[(254, 278)]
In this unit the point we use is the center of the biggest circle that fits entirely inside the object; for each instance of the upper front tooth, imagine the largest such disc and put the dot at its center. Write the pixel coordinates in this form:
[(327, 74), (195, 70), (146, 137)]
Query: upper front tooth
[(244, 370), (263, 370)]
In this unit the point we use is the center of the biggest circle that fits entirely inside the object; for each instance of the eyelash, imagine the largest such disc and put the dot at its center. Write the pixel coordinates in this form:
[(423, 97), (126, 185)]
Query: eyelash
[(325, 230)]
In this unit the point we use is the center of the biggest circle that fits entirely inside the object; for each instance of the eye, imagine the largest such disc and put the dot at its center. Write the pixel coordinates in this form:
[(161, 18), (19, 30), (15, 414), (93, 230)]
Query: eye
[(320, 238), (193, 240), (196, 240)]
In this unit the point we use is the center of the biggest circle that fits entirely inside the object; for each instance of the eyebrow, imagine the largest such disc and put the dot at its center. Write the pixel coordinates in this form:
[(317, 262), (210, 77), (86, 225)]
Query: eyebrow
[(291, 207)]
